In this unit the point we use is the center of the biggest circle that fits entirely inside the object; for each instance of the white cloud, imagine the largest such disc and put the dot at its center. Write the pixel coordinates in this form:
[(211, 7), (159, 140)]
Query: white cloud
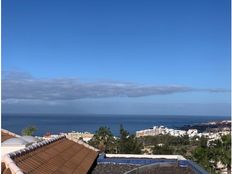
[(18, 87)]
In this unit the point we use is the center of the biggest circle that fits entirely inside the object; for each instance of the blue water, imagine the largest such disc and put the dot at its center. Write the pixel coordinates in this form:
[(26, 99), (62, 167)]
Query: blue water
[(64, 123)]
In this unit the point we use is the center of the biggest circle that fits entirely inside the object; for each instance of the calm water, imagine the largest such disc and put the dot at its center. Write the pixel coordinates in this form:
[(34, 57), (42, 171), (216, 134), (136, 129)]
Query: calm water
[(64, 123)]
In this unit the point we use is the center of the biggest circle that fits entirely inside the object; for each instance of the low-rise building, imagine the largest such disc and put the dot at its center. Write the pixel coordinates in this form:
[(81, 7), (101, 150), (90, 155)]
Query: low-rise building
[(160, 130), (192, 132), (76, 136), (213, 134)]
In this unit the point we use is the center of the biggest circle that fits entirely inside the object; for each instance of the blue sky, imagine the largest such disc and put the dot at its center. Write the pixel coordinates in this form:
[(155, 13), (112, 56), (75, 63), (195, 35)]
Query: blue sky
[(133, 56)]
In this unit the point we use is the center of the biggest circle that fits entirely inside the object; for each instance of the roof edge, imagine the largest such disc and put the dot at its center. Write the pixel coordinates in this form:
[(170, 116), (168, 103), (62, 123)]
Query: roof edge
[(45, 142), (177, 157), (34, 146), (11, 165), (10, 133)]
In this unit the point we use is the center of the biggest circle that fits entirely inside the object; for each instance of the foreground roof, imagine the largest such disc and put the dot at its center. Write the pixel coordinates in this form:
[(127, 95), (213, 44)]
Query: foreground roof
[(58, 156)]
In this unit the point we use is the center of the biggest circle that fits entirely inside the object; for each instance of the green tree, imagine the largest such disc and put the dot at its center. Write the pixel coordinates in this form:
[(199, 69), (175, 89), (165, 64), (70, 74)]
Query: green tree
[(162, 150), (128, 144), (103, 140), (29, 131), (216, 151), (225, 151), (183, 140), (123, 140), (200, 155)]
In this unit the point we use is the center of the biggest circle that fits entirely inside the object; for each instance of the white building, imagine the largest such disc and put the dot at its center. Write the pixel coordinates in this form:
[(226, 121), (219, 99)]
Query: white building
[(192, 132), (161, 130), (76, 136)]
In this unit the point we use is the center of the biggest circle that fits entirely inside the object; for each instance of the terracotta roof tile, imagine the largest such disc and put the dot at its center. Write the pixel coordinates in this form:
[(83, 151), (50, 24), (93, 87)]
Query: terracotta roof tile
[(61, 156)]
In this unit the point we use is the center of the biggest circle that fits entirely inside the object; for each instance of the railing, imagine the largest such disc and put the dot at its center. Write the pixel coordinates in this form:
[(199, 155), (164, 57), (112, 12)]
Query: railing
[(195, 167), (135, 161)]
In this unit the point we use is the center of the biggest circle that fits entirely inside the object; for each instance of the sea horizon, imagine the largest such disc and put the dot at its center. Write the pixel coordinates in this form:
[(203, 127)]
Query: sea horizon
[(91, 122), (105, 114)]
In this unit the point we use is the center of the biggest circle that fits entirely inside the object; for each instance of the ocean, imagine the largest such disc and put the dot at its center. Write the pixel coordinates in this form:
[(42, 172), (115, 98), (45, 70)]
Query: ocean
[(56, 123)]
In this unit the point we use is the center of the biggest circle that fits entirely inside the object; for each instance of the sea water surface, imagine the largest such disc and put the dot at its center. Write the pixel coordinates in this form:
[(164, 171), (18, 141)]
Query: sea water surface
[(57, 123)]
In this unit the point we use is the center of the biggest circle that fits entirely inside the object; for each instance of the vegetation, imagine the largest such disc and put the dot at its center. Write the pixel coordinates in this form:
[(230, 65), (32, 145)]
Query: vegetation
[(29, 131), (196, 149), (162, 150), (208, 155), (128, 144), (165, 139), (104, 140), (218, 151)]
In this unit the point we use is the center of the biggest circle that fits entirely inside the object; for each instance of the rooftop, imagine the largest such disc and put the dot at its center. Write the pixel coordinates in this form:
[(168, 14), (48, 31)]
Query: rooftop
[(57, 156), (5, 134), (60, 155), (141, 164)]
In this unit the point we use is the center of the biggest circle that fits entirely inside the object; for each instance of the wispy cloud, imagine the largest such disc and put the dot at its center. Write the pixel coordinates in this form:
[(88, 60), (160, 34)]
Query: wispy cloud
[(21, 86)]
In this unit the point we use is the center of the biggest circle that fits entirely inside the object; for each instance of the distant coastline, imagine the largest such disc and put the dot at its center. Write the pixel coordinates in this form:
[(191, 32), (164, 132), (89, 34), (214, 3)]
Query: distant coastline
[(201, 127), (90, 123)]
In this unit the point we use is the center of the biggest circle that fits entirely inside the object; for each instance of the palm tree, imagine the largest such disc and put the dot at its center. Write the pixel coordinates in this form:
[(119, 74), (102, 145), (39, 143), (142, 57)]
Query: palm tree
[(29, 131)]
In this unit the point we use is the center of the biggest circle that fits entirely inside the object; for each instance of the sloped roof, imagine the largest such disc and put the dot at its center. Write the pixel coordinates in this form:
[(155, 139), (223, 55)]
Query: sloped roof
[(7, 135), (60, 156)]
